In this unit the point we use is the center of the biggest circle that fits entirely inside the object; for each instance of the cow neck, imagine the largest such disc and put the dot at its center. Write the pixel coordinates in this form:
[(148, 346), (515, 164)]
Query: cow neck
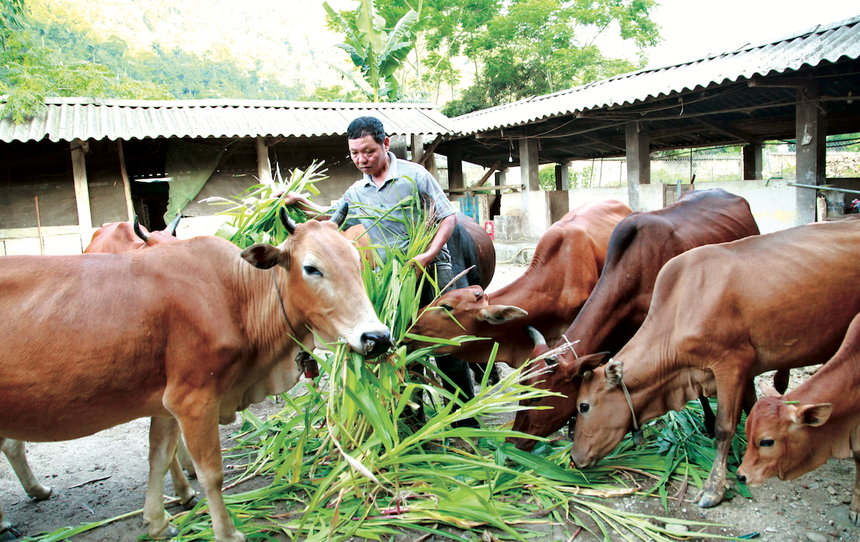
[(294, 335)]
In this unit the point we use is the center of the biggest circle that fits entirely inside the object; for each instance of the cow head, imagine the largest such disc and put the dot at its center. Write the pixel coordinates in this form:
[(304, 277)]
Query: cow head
[(167, 235), (603, 415), (323, 289), (562, 373), (783, 440), (465, 311)]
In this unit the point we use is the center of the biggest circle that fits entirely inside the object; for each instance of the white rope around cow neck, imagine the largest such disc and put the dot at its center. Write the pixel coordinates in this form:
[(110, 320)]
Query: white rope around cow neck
[(630, 404)]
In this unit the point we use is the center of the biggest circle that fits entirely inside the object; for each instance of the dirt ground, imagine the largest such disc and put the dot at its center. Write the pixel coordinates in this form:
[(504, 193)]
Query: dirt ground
[(105, 475)]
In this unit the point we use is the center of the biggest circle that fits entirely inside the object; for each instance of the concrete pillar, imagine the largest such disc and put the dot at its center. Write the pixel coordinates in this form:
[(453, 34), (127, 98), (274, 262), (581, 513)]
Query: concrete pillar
[(752, 155), (811, 134), (398, 145), (562, 176), (638, 161), (536, 208), (82, 191), (455, 167), (529, 163), (417, 148)]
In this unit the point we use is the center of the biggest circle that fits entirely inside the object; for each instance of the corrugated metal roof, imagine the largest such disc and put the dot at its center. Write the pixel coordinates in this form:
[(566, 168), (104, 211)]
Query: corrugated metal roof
[(822, 43), (66, 119)]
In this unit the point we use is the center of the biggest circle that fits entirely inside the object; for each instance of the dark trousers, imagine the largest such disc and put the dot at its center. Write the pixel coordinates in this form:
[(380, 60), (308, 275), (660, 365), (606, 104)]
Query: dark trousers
[(454, 368)]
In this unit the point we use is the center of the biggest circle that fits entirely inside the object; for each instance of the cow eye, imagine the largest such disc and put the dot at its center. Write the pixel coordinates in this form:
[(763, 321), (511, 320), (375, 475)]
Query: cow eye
[(311, 270), (447, 307), (583, 408), (766, 443)]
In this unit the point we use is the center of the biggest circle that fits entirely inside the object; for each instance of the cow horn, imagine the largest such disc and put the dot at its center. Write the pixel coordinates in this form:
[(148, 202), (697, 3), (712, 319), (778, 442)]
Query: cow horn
[(139, 232), (171, 228), (539, 340), (287, 221), (536, 336), (340, 213)]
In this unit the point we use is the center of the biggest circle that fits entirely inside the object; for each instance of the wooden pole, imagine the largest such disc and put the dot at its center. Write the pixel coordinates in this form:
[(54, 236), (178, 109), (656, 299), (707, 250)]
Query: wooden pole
[(487, 175), (126, 183), (39, 226)]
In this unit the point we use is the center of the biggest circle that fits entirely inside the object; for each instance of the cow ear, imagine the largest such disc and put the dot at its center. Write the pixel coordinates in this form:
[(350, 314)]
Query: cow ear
[(811, 415), (265, 256), (769, 391), (499, 314), (614, 373)]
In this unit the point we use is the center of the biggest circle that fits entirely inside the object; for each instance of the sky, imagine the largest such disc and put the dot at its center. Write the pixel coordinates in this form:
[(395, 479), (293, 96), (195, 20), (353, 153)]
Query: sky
[(692, 29)]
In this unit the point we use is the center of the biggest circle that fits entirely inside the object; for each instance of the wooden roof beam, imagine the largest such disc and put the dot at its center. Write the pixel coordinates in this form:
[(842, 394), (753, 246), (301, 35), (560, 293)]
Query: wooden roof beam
[(734, 132)]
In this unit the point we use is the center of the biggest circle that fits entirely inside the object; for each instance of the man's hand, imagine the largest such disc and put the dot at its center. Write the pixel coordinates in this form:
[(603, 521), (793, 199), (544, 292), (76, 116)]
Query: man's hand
[(421, 262), (303, 203)]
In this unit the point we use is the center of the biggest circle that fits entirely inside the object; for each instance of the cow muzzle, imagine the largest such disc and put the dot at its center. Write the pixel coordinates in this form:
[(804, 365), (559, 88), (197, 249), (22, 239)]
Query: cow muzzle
[(374, 344)]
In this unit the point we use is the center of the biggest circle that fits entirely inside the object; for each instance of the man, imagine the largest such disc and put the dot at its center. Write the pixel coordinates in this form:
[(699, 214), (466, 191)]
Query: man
[(386, 182)]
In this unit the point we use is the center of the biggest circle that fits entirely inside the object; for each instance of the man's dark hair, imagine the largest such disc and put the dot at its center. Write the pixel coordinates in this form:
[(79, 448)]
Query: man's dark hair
[(366, 126)]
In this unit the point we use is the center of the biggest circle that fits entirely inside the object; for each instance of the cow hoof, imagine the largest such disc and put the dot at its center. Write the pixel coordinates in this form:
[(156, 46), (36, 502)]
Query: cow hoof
[(191, 503), (41, 494), (853, 517), (8, 533), (169, 532), (709, 500), (638, 438)]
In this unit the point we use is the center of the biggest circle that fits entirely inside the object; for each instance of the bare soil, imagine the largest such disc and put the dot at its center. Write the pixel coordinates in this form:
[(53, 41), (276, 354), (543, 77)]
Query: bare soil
[(105, 475)]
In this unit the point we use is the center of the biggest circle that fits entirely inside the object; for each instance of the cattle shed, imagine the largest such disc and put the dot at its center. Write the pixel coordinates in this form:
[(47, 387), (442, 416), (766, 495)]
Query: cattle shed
[(82, 163), (801, 86)]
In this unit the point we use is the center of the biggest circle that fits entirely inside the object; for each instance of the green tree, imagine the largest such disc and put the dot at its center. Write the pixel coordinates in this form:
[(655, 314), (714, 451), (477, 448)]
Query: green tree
[(378, 54), (537, 47), (446, 28)]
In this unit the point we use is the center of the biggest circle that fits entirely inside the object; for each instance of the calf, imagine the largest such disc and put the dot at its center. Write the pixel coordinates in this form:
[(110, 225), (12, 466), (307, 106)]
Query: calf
[(721, 314), (187, 333), (639, 247), (791, 435), (567, 262)]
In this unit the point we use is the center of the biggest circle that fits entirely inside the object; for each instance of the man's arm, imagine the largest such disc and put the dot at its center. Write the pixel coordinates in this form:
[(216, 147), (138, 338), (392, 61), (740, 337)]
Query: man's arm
[(443, 232), (313, 210)]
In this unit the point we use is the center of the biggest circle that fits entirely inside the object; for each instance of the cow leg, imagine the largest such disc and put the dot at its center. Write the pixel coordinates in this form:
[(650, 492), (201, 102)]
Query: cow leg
[(7, 533), (708, 415), (854, 509), (750, 396), (163, 433), (204, 445), (729, 403), (184, 458), (17, 455), (780, 380), (479, 369), (187, 496)]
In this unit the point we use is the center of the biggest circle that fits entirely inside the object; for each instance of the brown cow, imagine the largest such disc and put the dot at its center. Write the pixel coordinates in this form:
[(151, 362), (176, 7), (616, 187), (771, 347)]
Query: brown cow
[(567, 262), (119, 237), (640, 246), (791, 435), (114, 238), (720, 315), (186, 333)]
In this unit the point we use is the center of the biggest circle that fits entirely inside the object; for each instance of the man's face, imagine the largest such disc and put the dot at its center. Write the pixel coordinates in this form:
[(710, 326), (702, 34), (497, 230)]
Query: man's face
[(368, 155)]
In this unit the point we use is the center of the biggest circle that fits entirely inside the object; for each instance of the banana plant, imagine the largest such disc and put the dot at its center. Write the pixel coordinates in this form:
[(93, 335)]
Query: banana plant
[(376, 53)]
